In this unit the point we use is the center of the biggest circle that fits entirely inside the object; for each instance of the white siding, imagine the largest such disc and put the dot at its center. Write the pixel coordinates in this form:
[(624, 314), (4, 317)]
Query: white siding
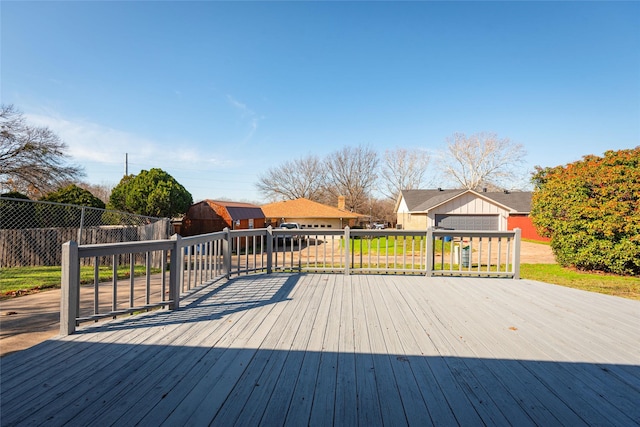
[(320, 222), (413, 221), (402, 206), (466, 204)]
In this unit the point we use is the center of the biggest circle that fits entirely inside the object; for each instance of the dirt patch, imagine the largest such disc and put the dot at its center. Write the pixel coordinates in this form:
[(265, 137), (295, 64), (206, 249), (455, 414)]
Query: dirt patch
[(536, 253)]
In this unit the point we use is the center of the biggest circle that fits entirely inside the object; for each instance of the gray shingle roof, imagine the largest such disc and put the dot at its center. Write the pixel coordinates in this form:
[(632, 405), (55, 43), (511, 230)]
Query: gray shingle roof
[(423, 200), (518, 201), (237, 212)]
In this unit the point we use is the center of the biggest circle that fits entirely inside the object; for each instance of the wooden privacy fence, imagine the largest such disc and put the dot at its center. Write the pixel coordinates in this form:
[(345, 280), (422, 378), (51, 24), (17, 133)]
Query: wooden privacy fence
[(189, 263)]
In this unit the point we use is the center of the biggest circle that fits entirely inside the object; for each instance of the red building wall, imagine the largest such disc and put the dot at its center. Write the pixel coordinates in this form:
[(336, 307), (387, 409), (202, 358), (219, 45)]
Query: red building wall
[(207, 217), (523, 222)]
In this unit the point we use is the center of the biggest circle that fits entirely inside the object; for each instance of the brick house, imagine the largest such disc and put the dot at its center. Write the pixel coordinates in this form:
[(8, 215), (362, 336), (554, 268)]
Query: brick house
[(310, 214)]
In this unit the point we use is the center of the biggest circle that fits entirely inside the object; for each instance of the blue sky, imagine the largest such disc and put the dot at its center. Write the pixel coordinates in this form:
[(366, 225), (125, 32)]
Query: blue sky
[(215, 93)]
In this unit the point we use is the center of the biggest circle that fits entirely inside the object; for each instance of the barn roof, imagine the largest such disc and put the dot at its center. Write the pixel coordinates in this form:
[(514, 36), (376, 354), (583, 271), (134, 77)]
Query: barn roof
[(305, 208), (238, 210), (424, 200)]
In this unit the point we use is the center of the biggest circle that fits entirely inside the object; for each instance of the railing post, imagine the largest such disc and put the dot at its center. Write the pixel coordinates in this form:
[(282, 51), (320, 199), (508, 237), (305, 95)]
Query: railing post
[(516, 253), (347, 243), (226, 252), (69, 298), (176, 273), (429, 251), (269, 249)]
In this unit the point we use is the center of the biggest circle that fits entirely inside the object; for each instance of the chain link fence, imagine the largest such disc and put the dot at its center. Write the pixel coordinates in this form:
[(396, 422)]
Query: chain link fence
[(32, 232)]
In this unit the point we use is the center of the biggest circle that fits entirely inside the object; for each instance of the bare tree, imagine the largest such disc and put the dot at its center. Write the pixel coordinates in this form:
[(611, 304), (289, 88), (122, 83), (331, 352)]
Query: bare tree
[(32, 159), (382, 210), (101, 191), (352, 173), (403, 169), (481, 158), (293, 179)]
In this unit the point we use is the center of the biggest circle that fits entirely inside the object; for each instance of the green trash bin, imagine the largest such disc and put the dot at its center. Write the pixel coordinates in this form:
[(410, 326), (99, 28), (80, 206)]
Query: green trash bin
[(466, 253)]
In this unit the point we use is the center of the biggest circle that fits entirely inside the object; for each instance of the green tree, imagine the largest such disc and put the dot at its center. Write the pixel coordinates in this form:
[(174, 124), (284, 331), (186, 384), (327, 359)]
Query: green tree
[(591, 211), (69, 206), (15, 195), (74, 195), (15, 213), (64, 215), (151, 193)]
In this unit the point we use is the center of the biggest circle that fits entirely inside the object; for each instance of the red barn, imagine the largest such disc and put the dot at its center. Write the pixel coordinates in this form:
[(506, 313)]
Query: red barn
[(209, 216)]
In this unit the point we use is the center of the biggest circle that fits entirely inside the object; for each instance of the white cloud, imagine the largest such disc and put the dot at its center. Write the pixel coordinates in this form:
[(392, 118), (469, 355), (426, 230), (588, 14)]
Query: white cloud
[(247, 115), (100, 150), (191, 157), (87, 141)]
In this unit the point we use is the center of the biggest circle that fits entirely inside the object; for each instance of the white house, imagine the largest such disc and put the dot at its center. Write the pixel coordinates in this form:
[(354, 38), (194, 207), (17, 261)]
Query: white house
[(461, 209)]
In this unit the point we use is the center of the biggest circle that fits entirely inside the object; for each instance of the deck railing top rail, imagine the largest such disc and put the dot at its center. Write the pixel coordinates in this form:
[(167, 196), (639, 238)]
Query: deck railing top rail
[(184, 264)]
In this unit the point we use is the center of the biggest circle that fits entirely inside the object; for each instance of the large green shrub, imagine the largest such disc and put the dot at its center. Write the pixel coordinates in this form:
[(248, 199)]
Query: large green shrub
[(50, 215), (15, 214), (74, 195), (591, 211), (152, 193)]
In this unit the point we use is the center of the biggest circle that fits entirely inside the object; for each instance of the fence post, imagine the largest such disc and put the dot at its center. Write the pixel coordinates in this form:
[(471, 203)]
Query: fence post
[(429, 252), (516, 254), (69, 297), (81, 226), (226, 252), (175, 273), (269, 249), (347, 243)]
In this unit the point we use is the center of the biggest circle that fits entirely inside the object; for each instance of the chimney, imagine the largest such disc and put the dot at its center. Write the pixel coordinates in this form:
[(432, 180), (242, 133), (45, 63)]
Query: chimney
[(341, 202)]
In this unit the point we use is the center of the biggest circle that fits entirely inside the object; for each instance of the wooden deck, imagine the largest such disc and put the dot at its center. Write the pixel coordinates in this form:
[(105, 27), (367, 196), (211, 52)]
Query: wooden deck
[(322, 349)]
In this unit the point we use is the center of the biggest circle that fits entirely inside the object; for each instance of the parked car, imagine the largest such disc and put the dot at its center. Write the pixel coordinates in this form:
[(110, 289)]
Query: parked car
[(379, 226), (288, 226)]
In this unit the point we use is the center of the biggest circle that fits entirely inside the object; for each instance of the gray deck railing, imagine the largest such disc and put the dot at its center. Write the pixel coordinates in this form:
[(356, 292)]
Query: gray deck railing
[(189, 263)]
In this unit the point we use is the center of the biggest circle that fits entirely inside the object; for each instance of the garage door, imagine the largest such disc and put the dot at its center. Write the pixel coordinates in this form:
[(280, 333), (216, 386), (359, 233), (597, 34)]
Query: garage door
[(468, 222)]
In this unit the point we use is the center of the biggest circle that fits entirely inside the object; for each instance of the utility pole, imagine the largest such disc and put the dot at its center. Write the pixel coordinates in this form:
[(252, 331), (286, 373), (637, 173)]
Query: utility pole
[(126, 164)]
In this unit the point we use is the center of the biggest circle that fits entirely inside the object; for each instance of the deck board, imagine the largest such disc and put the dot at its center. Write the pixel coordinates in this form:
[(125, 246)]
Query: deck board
[(322, 349)]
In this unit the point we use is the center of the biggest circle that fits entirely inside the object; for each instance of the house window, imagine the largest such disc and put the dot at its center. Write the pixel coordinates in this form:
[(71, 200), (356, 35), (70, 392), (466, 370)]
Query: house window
[(329, 226), (250, 222)]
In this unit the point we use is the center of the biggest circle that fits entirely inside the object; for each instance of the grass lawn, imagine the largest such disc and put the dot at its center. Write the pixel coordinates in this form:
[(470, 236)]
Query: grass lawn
[(621, 286), (392, 245), (20, 280)]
